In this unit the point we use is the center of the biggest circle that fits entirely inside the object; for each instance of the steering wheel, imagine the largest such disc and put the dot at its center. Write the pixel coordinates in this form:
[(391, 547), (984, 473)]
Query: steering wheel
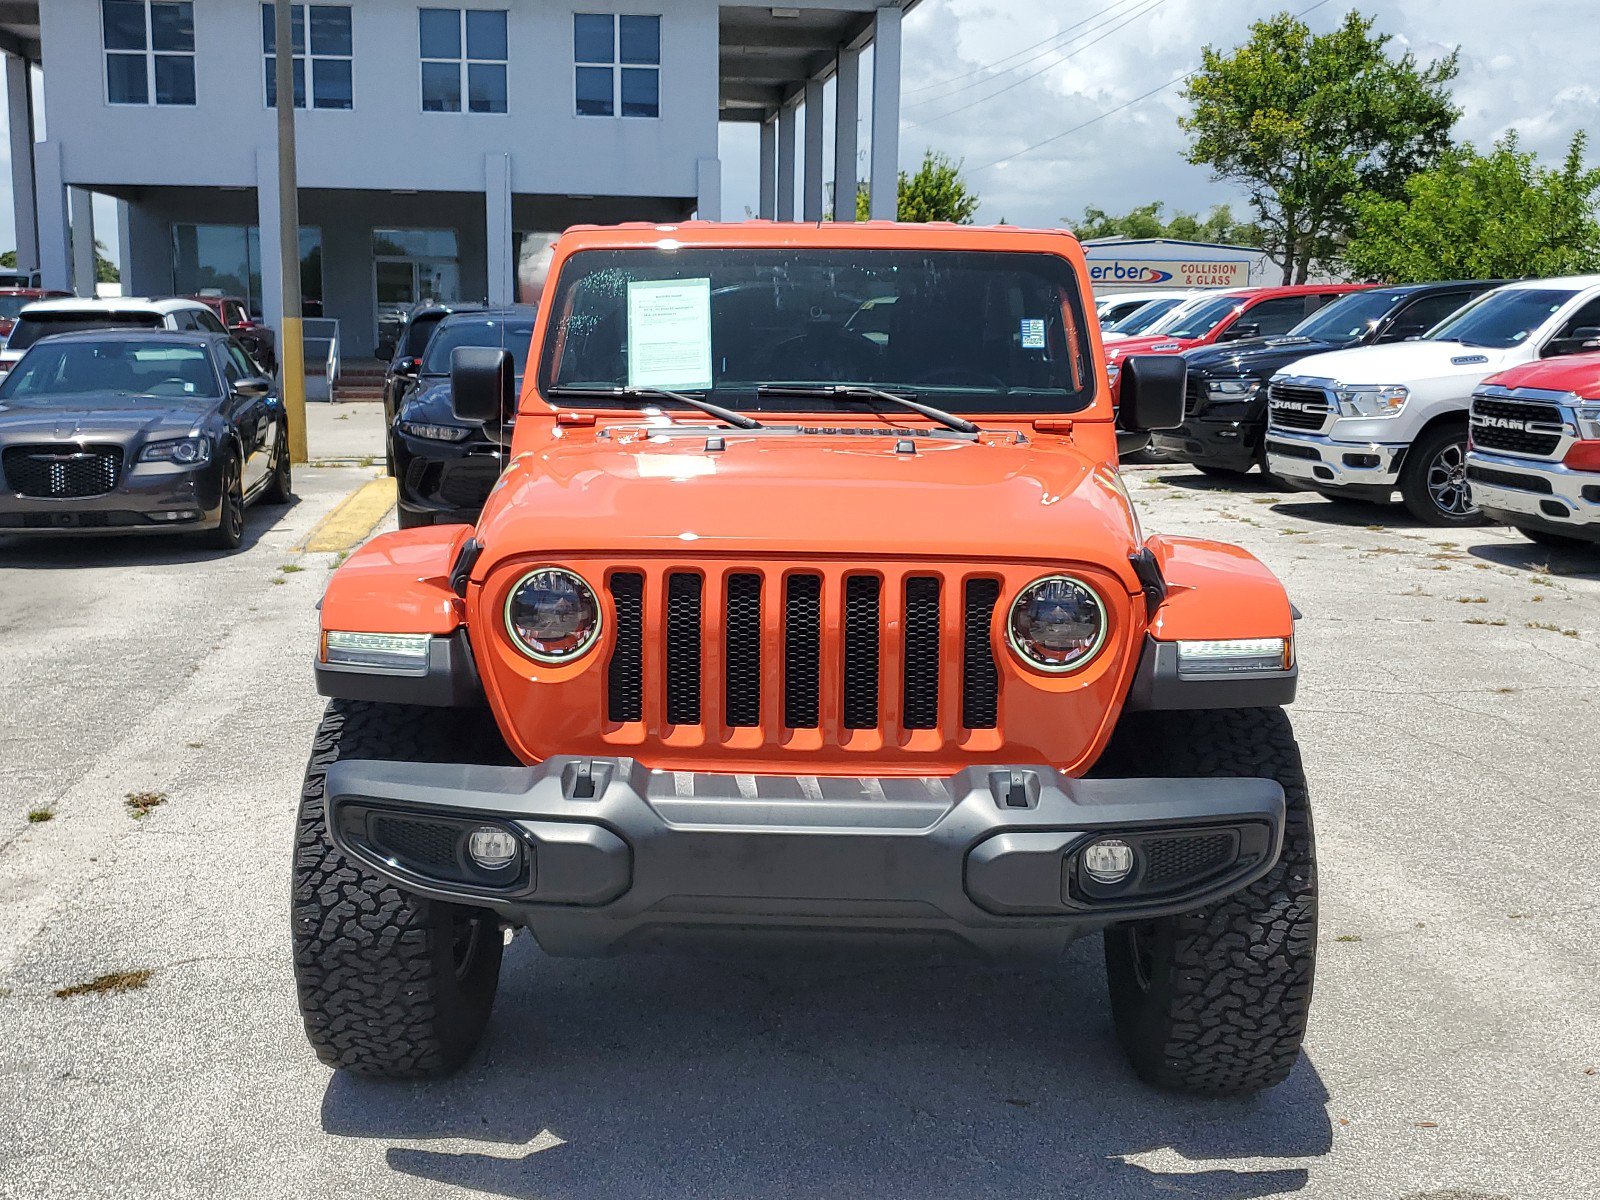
[(962, 376), (822, 353)]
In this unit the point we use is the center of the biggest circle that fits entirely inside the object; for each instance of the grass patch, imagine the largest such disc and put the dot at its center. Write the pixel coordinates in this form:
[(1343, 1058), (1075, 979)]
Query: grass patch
[(1505, 691), (195, 745), (1484, 621), (1542, 580), (38, 816), (1545, 625), (291, 568), (338, 560), (115, 981), (1348, 937), (279, 581), (1472, 599), (140, 803)]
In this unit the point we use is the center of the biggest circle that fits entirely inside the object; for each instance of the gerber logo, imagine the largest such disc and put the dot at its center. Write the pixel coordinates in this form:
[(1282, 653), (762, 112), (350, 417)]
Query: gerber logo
[(1128, 272)]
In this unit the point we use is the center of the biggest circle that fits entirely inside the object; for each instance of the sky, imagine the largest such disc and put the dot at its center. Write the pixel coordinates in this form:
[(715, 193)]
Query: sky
[(987, 81)]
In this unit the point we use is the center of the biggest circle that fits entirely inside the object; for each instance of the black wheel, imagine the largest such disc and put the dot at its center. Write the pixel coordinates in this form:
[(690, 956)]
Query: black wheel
[(388, 454), (1433, 483), (280, 484), (410, 518), (1214, 1002), (391, 985), (1556, 541), (230, 522)]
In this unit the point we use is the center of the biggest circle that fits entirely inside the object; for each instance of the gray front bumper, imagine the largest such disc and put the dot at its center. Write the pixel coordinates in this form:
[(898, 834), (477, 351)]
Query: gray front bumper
[(614, 854)]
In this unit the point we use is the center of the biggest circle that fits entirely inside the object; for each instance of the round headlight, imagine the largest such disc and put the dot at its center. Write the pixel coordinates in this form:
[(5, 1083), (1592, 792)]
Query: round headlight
[(1057, 624), (552, 615)]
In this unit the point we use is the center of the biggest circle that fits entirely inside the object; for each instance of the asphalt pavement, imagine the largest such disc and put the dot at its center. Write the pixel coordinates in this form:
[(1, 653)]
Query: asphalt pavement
[(1447, 716)]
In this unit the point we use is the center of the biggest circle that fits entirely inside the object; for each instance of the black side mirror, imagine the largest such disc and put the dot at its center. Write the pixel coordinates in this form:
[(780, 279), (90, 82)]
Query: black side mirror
[(1580, 341), (407, 366), (252, 387), (1152, 392), (482, 380), (385, 349), (1401, 333), (1237, 333)]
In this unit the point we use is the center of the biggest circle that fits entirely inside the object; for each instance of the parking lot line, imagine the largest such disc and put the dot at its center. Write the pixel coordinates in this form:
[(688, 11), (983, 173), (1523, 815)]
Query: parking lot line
[(354, 519)]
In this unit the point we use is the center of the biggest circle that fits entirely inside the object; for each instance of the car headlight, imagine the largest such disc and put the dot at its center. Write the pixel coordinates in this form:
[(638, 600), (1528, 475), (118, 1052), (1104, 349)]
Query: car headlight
[(186, 451), (552, 615), (1588, 414), (1371, 400), (1113, 370), (1057, 624), (435, 433), (1232, 389), (391, 653)]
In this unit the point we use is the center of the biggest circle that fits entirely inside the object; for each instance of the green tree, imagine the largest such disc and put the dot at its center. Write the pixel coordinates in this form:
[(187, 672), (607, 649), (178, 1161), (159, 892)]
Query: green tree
[(1146, 221), (105, 271), (1482, 216), (1305, 122), (935, 193)]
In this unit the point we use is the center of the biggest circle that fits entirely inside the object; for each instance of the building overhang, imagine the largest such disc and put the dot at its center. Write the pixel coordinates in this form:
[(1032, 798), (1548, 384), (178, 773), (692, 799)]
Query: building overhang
[(19, 28)]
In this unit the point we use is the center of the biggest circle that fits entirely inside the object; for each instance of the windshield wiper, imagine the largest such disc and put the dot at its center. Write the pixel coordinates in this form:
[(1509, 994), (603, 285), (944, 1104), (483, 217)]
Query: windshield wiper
[(861, 391), (726, 415)]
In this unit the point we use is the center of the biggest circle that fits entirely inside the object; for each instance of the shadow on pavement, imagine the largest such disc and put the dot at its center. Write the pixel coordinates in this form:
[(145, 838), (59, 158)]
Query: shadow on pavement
[(1352, 514), (70, 552), (645, 1077), (1253, 484), (1581, 562)]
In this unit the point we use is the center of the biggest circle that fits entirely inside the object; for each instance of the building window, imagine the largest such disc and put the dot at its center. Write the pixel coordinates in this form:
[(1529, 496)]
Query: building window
[(329, 56), (149, 51), (463, 52), (225, 260), (618, 65)]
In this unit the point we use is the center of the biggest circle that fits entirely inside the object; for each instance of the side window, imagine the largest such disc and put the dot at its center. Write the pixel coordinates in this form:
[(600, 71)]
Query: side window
[(1322, 298), (1273, 317), (1422, 315), (183, 320), (1588, 315), (239, 364), (206, 320)]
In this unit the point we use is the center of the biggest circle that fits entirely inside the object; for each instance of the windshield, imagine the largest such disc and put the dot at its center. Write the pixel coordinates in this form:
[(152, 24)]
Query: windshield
[(37, 325), (120, 369), (976, 331), (1348, 319), (1201, 319), (513, 335), (1143, 317), (1501, 319)]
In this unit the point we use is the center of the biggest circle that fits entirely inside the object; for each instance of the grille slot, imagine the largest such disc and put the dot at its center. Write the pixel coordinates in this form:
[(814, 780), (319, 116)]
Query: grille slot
[(683, 649), (861, 621), (625, 673), (62, 472), (1195, 395), (1510, 479), (742, 620), (802, 642), (1516, 441), (1174, 861), (1313, 416), (421, 843), (980, 677), (921, 699)]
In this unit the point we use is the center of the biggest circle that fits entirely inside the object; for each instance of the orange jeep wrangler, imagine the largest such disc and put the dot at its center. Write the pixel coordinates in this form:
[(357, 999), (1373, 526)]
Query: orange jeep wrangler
[(810, 605)]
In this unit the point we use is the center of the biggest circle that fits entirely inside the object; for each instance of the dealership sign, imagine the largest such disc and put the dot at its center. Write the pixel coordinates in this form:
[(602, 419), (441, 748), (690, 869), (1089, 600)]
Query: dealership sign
[(1134, 272)]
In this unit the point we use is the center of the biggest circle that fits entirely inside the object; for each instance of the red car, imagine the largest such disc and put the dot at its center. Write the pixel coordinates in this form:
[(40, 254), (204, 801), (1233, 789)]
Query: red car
[(256, 338), (12, 301)]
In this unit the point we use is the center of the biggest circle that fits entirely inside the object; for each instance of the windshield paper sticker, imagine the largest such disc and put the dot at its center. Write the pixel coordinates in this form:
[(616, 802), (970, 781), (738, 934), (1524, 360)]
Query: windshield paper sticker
[(669, 334), (1032, 333)]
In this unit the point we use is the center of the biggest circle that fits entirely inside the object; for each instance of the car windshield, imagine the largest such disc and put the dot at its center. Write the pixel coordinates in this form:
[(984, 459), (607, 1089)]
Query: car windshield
[(1501, 319), (975, 331), (513, 335), (1202, 319), (1349, 318), (1145, 316), (122, 371), (34, 326)]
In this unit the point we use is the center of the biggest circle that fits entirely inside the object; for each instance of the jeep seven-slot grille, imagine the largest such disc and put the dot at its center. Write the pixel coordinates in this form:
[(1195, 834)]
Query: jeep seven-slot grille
[(834, 651), (59, 472), (1515, 438), (1295, 407)]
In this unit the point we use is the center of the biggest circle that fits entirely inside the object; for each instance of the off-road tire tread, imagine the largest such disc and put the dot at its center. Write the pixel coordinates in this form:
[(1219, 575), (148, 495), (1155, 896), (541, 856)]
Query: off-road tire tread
[(366, 954), (1232, 1015)]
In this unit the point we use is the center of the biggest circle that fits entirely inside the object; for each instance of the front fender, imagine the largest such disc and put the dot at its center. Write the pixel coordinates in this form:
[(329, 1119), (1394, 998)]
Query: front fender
[(398, 583)]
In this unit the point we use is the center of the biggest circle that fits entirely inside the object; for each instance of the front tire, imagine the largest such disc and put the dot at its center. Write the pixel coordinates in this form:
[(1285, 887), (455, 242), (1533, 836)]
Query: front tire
[(229, 532), (391, 985), (280, 487), (1433, 482), (409, 518), (1215, 1002)]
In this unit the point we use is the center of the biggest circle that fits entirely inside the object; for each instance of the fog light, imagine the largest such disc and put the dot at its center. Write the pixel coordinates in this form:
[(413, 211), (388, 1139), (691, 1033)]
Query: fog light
[(492, 848), (1109, 860)]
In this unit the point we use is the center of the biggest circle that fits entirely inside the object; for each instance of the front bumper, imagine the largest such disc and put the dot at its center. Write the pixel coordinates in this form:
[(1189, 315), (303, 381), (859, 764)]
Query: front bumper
[(1535, 494), (448, 480), (1316, 461), (1214, 442), (149, 498), (616, 856)]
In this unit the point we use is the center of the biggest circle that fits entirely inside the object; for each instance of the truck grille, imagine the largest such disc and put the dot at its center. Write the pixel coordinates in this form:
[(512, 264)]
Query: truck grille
[(1195, 395), (1515, 440), (62, 472), (1297, 407), (769, 652)]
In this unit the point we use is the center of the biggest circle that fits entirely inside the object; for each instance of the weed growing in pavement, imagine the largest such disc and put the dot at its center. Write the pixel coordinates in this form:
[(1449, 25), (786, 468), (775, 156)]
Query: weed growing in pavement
[(1348, 937), (338, 560), (291, 568), (1377, 528), (114, 981), (1506, 691), (1541, 580), (1538, 600), (1484, 621), (279, 581), (38, 816), (140, 803), (1472, 599), (195, 745), (1571, 633)]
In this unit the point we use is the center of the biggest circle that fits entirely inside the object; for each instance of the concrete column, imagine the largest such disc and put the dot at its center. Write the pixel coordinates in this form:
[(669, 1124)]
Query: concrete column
[(708, 189), (812, 184), (271, 264), (125, 243), (19, 110), (55, 230), (847, 109), (886, 114), (499, 247), (82, 200), (769, 171), (786, 123)]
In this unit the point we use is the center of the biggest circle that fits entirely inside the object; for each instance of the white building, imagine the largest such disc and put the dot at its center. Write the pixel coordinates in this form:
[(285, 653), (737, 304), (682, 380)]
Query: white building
[(439, 142)]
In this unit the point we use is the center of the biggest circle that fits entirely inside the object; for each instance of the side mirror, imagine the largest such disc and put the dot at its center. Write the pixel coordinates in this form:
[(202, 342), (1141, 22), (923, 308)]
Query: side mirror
[(1152, 392), (482, 379), (1237, 333), (1401, 333), (385, 349), (407, 366), (1579, 341), (252, 387)]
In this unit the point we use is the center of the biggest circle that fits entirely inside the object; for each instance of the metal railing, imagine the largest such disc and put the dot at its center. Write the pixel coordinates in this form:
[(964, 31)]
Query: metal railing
[(321, 338)]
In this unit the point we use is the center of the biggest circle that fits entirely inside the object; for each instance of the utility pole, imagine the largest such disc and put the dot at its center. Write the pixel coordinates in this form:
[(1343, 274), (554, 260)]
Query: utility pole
[(291, 337)]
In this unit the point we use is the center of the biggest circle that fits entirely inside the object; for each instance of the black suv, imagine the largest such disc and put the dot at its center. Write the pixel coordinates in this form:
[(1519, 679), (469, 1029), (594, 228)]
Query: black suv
[(410, 345), (445, 466), (1225, 409)]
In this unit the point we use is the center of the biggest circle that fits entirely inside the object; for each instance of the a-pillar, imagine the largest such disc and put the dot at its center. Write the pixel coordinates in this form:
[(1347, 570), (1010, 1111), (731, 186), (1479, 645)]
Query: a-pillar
[(19, 110), (500, 269), (885, 114), (769, 170), (786, 123), (812, 185), (847, 113)]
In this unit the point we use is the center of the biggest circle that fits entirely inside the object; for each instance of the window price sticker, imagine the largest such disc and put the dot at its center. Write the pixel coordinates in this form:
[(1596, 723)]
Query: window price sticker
[(1033, 333)]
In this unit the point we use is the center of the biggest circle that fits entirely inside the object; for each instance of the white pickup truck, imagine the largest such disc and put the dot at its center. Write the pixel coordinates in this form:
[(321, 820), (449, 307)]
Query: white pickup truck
[(1358, 424)]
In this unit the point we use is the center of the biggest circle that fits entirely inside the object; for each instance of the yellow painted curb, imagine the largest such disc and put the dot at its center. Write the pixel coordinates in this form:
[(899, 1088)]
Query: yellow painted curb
[(354, 519)]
